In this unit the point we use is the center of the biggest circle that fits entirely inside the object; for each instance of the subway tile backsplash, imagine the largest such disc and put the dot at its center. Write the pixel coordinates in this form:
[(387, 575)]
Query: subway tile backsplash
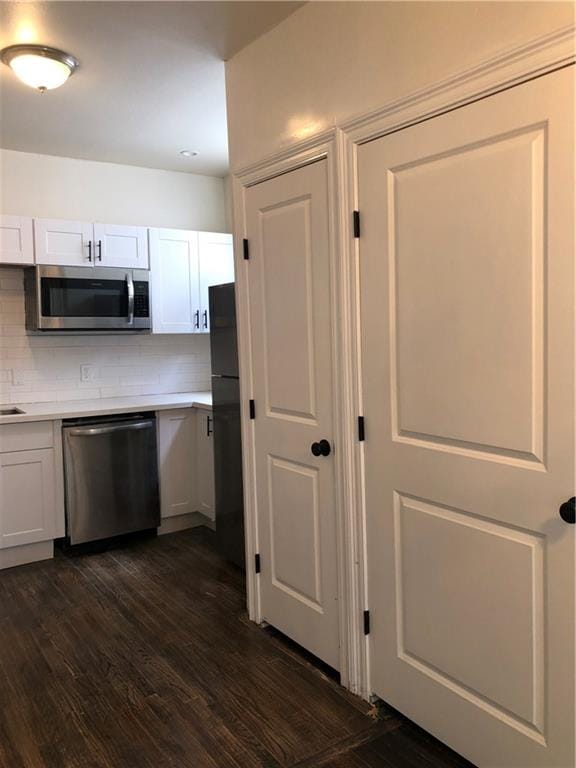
[(37, 369)]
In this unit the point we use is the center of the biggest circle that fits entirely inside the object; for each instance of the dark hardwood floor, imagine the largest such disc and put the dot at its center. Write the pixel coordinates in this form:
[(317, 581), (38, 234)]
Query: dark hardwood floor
[(143, 657)]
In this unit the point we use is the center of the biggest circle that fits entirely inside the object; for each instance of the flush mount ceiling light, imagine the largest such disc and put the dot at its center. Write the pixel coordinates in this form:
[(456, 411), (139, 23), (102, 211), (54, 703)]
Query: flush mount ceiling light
[(38, 66), (189, 152)]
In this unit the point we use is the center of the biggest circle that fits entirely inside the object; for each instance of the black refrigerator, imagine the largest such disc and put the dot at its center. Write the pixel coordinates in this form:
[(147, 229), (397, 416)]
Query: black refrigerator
[(226, 413)]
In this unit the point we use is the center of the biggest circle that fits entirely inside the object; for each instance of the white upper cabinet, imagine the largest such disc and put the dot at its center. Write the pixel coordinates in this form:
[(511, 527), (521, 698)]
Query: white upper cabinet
[(16, 241), (120, 246), (84, 244), (216, 266), (174, 268), (64, 243), (184, 264)]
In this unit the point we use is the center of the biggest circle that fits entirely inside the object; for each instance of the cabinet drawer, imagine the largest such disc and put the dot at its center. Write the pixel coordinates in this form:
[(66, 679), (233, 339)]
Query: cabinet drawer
[(27, 436)]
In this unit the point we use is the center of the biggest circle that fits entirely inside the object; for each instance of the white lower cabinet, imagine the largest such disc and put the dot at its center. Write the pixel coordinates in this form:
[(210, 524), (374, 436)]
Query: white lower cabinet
[(186, 462), (176, 440), (31, 489), (205, 464), (28, 498)]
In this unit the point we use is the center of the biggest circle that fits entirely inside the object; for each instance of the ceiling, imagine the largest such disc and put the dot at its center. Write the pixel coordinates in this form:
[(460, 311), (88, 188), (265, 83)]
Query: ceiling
[(150, 82)]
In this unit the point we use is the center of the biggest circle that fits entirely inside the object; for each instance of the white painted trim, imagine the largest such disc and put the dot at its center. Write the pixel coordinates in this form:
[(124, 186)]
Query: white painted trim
[(351, 559), (325, 146), (25, 554), (242, 292), (287, 159), (183, 522), (339, 146), (507, 69)]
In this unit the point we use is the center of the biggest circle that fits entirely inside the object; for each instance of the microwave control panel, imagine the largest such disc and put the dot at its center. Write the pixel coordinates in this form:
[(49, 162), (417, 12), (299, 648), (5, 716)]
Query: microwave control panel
[(141, 299)]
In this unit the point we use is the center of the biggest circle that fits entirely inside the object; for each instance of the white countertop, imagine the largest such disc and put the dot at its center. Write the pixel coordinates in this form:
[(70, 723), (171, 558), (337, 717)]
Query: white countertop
[(106, 405)]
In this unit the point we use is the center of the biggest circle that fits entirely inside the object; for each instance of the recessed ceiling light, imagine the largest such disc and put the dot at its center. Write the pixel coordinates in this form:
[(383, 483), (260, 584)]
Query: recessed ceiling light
[(38, 66), (189, 152)]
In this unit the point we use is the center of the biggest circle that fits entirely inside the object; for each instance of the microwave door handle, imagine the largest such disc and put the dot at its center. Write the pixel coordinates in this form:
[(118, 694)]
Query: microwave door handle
[(130, 289)]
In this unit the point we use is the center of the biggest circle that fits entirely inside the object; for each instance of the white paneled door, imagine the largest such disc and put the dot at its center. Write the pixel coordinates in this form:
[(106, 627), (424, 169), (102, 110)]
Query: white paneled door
[(287, 227), (467, 325)]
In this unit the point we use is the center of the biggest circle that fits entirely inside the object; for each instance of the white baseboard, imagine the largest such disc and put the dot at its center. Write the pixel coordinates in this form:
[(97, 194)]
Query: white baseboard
[(182, 522), (27, 553)]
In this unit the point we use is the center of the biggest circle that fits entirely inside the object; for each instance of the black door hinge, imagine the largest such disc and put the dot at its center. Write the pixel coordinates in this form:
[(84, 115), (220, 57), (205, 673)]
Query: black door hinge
[(361, 429), (257, 563), (252, 409), (356, 222), (246, 248), (366, 622)]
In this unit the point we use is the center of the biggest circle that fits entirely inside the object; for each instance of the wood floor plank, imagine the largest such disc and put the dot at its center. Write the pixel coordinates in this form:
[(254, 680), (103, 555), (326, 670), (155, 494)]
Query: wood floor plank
[(143, 657)]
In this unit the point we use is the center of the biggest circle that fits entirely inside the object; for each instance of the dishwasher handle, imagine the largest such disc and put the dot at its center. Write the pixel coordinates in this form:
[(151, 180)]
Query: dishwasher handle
[(105, 430)]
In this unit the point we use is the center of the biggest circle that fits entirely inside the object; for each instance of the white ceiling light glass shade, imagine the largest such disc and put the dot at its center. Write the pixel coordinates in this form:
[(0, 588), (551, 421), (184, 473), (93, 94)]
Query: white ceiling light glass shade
[(38, 66)]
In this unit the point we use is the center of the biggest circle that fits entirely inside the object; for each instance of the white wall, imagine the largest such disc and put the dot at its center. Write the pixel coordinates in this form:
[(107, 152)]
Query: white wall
[(56, 187), (49, 366), (331, 61), (64, 188)]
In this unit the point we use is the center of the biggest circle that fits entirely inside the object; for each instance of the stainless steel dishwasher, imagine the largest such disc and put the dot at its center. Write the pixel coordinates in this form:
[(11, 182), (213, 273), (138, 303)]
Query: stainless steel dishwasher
[(111, 473)]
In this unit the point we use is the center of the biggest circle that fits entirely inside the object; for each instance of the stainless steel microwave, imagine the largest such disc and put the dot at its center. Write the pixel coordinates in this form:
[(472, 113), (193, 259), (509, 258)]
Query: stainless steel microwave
[(87, 299)]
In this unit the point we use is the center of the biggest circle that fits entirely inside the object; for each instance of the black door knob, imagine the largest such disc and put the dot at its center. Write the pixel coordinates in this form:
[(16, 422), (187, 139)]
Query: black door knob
[(321, 449), (568, 511)]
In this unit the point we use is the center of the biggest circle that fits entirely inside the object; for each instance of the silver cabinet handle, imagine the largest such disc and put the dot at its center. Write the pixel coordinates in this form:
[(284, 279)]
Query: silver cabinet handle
[(99, 250), (88, 431), (130, 289), (89, 250)]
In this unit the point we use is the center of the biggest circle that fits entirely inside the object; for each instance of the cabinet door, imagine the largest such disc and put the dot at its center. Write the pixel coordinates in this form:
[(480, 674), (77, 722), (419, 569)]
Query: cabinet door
[(64, 243), (174, 276), (205, 463), (216, 265), (16, 243), (27, 497), (121, 246), (176, 438)]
